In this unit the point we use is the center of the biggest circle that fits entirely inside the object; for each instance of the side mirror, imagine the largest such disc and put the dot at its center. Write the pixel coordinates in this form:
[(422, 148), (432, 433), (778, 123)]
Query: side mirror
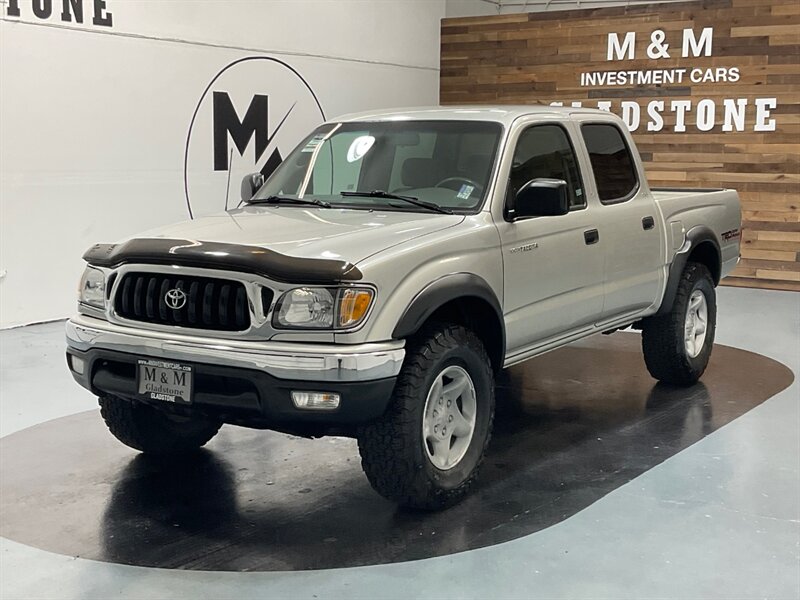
[(541, 198), (250, 185)]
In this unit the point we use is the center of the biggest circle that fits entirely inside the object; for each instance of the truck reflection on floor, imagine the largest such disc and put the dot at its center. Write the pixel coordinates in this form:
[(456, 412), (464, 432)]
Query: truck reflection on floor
[(543, 467)]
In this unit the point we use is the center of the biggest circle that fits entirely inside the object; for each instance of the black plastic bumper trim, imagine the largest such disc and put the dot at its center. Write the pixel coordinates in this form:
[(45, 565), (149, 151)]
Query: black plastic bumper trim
[(243, 396)]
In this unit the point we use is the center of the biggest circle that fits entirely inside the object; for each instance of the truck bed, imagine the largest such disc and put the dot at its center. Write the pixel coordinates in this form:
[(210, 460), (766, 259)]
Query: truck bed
[(714, 208), (665, 193)]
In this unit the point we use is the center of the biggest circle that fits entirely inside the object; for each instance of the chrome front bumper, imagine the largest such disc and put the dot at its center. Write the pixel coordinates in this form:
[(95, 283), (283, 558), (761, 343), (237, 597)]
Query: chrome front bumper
[(284, 360)]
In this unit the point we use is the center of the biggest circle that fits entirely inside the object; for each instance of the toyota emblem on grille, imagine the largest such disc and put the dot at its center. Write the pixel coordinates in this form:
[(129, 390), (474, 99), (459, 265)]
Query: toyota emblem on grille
[(175, 298)]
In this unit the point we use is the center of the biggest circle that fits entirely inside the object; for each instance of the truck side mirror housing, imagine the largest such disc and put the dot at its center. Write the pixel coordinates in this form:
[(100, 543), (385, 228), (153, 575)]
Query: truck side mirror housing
[(541, 198), (250, 185)]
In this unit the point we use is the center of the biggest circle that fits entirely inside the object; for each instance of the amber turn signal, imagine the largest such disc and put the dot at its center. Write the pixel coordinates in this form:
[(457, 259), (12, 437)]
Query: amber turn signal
[(353, 305)]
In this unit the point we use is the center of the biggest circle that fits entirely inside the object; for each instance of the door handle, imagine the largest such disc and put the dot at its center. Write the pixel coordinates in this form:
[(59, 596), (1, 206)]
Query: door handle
[(648, 223), (591, 237)]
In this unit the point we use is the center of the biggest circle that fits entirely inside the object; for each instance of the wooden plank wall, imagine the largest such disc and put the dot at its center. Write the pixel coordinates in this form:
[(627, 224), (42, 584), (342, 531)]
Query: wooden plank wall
[(537, 58)]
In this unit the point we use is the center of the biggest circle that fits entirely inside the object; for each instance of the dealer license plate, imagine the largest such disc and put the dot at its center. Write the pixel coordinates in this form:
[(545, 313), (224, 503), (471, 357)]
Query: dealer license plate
[(165, 381)]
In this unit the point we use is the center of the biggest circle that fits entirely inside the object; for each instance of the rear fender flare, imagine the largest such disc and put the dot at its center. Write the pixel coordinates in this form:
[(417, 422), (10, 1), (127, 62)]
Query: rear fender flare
[(694, 237)]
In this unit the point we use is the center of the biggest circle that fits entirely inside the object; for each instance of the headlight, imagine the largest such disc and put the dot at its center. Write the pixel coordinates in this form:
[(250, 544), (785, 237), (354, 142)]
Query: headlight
[(308, 308), (92, 289), (322, 308)]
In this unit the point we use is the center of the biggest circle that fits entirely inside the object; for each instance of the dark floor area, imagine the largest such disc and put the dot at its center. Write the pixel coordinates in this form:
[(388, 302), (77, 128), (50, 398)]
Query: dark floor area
[(571, 426)]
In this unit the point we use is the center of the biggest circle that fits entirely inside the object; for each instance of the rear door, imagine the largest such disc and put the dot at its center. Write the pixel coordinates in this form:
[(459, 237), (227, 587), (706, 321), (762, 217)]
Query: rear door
[(629, 223), (553, 270)]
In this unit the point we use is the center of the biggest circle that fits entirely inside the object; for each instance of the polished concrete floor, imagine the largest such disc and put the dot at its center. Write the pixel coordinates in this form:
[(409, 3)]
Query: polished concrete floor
[(598, 484)]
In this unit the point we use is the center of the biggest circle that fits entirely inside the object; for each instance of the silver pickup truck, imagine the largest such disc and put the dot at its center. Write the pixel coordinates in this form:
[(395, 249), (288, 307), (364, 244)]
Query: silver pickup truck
[(380, 278)]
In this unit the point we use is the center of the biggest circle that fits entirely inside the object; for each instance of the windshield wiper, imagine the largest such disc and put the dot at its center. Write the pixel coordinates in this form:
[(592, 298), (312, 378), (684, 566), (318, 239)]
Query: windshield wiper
[(289, 199), (409, 199)]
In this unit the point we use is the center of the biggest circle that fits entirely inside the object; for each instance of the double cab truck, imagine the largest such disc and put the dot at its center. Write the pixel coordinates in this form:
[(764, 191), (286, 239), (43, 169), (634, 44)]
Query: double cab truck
[(376, 283)]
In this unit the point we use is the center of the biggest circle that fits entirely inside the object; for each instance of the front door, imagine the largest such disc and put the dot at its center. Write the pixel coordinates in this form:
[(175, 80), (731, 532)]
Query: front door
[(553, 266)]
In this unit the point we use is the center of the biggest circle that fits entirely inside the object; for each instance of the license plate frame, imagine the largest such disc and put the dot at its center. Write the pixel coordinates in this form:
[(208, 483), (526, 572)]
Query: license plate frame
[(164, 381)]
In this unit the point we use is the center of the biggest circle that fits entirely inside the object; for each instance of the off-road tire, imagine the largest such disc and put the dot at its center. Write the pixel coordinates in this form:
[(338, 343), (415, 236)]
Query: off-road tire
[(663, 336), (145, 428), (392, 447)]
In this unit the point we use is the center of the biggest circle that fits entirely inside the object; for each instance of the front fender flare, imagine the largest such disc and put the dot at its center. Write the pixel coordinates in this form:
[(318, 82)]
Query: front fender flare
[(441, 291)]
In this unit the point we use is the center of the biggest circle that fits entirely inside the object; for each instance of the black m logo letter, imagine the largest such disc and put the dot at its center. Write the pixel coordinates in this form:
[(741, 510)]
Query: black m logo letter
[(255, 122)]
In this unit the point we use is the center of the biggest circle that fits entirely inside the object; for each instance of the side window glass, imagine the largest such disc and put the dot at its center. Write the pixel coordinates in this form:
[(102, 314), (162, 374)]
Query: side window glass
[(612, 163), (545, 152)]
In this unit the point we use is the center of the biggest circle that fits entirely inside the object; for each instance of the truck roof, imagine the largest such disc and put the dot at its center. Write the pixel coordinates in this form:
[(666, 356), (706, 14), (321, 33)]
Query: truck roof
[(497, 113)]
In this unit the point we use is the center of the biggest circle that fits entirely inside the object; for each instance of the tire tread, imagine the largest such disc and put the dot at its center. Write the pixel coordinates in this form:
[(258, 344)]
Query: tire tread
[(144, 428), (387, 444), (662, 335)]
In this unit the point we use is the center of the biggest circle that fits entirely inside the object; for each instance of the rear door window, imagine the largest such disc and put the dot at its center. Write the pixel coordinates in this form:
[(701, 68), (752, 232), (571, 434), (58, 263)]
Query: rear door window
[(612, 163)]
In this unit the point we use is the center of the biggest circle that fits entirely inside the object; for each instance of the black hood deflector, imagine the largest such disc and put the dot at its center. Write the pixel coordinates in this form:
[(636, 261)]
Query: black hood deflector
[(218, 255)]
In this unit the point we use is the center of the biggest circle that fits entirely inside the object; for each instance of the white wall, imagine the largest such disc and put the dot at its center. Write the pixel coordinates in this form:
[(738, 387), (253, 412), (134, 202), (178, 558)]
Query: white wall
[(471, 8), (94, 119)]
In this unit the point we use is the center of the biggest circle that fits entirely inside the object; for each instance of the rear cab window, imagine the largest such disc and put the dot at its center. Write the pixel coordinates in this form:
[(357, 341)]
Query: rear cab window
[(612, 163)]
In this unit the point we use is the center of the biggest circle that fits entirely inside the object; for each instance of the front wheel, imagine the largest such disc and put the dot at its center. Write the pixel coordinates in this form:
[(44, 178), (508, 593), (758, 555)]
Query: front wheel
[(426, 450), (677, 345), (145, 428)]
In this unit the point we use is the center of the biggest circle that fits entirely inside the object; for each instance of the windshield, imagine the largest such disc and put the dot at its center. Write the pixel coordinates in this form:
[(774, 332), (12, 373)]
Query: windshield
[(446, 163)]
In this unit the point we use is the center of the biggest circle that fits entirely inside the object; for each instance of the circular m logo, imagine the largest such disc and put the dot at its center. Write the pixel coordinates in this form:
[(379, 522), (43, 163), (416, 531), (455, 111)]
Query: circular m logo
[(251, 115)]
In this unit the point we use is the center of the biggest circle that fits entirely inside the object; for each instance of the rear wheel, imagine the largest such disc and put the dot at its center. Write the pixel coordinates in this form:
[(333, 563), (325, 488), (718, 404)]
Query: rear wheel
[(145, 428), (677, 345), (426, 450)]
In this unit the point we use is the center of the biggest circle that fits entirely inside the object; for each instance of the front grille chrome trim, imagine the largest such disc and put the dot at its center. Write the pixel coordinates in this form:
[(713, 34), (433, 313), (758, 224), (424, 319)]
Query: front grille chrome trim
[(259, 328)]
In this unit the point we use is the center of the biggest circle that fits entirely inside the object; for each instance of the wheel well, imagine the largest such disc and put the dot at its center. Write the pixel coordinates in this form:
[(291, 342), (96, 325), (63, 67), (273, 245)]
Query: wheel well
[(707, 254), (479, 316)]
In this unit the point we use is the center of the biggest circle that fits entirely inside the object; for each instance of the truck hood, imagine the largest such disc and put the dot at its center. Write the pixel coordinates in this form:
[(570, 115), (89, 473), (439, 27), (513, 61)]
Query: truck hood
[(326, 233)]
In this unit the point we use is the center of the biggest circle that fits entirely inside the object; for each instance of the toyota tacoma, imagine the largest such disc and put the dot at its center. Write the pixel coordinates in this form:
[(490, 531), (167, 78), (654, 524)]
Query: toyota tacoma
[(376, 283)]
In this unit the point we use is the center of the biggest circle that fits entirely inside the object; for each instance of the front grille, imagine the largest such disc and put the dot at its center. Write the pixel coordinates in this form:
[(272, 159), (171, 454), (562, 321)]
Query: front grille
[(267, 296), (217, 304)]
